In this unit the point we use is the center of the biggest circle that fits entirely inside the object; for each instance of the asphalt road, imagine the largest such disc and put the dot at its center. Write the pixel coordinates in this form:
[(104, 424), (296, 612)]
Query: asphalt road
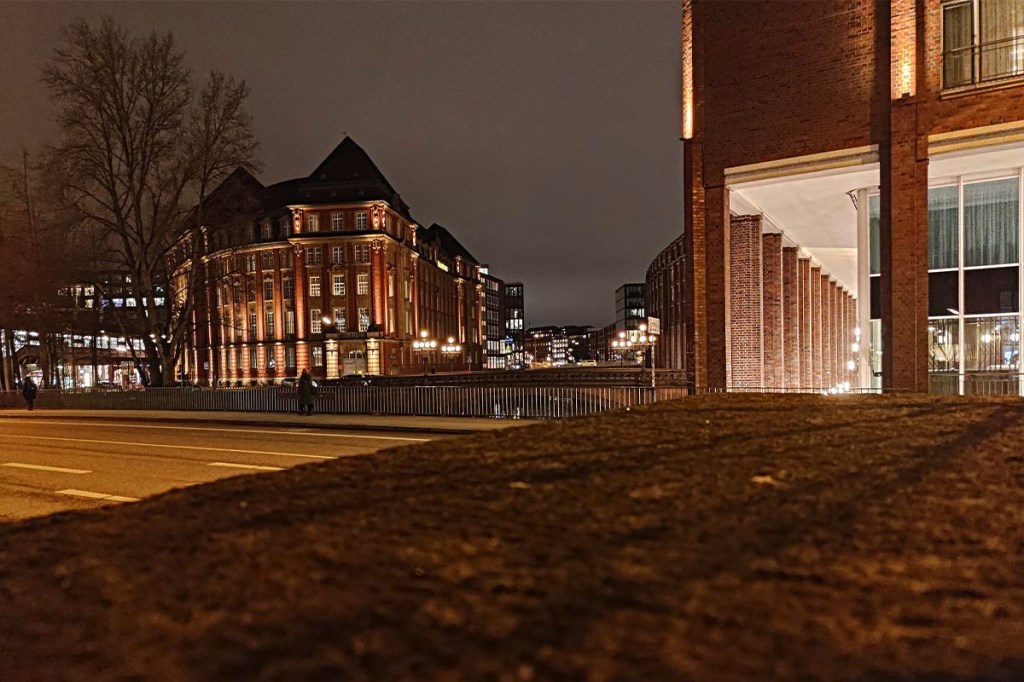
[(51, 465)]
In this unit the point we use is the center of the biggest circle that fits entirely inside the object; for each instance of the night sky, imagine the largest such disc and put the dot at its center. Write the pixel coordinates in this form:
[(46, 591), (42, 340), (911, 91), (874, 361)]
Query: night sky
[(544, 135)]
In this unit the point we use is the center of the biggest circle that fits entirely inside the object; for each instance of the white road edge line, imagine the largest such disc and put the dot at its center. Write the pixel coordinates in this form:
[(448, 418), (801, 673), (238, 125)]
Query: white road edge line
[(284, 430), (170, 447), (40, 467), (97, 496), (245, 466)]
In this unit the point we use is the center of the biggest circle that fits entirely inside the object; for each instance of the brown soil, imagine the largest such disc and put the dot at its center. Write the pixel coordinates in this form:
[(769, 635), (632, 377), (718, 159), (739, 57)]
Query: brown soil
[(720, 538)]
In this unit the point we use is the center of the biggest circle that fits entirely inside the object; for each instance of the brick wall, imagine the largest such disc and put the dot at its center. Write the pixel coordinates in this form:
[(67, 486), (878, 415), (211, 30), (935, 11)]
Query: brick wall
[(790, 317), (773, 321)]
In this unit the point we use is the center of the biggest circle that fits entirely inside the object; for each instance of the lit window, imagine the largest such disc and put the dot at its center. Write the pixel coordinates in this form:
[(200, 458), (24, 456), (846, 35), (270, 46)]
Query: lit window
[(268, 290), (337, 221), (991, 50), (361, 220), (314, 285), (340, 323), (253, 359), (266, 229), (314, 255), (364, 319), (270, 323), (318, 356), (312, 222), (338, 285), (289, 324), (362, 284), (315, 321), (289, 356), (337, 255)]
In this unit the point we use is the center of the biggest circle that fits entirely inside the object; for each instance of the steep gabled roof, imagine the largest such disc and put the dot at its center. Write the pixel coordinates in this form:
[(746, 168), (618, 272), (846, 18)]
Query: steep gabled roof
[(449, 243), (349, 163)]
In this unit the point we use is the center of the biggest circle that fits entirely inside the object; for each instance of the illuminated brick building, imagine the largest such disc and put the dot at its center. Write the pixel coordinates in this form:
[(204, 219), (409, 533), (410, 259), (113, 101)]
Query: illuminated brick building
[(853, 172), (329, 272)]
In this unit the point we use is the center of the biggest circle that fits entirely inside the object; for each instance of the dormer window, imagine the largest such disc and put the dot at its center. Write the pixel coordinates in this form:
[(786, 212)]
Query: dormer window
[(312, 223), (286, 226), (266, 230)]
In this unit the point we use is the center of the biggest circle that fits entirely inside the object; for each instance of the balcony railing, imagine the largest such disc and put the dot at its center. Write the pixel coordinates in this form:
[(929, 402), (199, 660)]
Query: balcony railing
[(984, 63)]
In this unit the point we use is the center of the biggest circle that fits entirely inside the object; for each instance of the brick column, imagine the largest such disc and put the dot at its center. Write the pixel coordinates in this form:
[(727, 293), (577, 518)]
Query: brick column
[(790, 317), (772, 316), (817, 361), (904, 251), (745, 298), (806, 326), (301, 312)]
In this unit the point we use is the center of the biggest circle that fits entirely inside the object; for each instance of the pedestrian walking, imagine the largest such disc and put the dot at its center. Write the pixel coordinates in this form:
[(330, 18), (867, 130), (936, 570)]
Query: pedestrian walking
[(307, 392), (28, 392)]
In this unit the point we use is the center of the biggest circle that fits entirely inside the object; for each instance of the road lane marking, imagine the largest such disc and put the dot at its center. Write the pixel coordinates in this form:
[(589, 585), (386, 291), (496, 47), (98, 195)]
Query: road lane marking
[(40, 467), (245, 466), (96, 496), (169, 447), (288, 431)]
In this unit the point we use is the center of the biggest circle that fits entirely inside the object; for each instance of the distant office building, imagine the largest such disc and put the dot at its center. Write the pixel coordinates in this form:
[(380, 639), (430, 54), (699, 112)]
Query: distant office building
[(496, 346), (665, 302), (630, 306), (515, 325), (554, 346), (601, 342)]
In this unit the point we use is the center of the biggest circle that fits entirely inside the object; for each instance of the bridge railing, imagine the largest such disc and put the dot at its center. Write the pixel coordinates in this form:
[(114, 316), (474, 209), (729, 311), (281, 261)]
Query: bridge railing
[(503, 402)]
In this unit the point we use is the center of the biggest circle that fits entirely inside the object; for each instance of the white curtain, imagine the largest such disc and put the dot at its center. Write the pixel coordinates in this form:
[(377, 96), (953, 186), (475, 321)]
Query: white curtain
[(942, 227), (990, 222), (1002, 38), (957, 44)]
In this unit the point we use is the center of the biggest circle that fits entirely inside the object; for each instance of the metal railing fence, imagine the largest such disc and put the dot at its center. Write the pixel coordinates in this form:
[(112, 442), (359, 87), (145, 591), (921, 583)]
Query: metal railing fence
[(505, 402)]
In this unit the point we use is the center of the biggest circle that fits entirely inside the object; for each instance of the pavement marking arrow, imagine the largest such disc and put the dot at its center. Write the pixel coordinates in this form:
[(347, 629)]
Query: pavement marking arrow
[(97, 496), (40, 467)]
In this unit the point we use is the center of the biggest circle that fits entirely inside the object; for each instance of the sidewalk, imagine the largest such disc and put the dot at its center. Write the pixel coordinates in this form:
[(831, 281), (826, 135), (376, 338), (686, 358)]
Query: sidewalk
[(452, 425)]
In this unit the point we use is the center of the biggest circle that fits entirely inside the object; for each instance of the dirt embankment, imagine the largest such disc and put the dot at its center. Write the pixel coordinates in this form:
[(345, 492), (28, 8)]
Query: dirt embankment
[(721, 538)]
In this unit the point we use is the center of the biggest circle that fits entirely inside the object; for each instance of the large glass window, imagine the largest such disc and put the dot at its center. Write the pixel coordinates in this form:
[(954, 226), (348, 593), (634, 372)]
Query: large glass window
[(944, 345), (990, 222), (986, 49), (991, 344), (943, 219)]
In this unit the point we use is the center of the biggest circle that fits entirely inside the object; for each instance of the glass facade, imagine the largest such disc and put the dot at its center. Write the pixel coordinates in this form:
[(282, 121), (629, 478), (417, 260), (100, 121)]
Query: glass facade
[(973, 285)]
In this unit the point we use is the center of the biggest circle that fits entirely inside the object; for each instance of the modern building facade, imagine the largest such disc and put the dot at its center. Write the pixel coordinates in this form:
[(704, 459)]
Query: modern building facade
[(630, 306), (515, 324), (852, 186), (329, 272), (554, 346), (496, 343)]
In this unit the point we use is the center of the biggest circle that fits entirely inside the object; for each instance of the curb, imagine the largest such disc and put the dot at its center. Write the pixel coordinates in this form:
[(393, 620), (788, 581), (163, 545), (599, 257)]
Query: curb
[(271, 424)]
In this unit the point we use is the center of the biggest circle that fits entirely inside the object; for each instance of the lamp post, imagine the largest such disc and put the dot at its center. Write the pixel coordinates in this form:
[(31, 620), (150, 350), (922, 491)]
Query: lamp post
[(623, 345), (423, 346), (640, 340), (451, 349)]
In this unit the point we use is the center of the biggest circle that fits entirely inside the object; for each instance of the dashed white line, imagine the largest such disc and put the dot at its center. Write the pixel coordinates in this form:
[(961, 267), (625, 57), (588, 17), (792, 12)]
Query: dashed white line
[(97, 496), (245, 466), (169, 447), (40, 467), (284, 431)]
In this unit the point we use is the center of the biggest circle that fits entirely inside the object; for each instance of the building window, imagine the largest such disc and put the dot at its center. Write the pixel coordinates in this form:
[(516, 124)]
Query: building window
[(338, 285), (340, 323), (267, 260), (268, 290), (286, 226), (982, 40), (312, 223), (990, 222), (238, 360), (266, 229), (364, 319), (250, 263), (337, 255), (363, 253), (288, 288), (318, 356), (288, 258), (362, 284), (289, 356), (254, 359), (316, 323), (269, 314), (314, 285), (314, 255), (289, 324), (271, 360), (252, 325), (361, 220), (337, 221)]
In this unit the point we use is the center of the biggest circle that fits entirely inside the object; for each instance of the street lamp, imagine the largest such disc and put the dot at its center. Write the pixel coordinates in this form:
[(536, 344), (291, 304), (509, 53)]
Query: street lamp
[(423, 347), (623, 345), (451, 349), (640, 340)]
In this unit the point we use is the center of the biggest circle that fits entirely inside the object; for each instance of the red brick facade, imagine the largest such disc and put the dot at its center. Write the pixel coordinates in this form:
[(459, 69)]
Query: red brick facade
[(818, 77)]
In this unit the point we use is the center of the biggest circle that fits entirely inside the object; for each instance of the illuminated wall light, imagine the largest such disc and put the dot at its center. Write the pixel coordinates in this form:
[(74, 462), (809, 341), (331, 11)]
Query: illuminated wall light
[(687, 45), (903, 47)]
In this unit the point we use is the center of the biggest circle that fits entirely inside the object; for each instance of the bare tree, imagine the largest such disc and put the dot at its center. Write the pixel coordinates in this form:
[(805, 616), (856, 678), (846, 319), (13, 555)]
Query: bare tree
[(140, 152)]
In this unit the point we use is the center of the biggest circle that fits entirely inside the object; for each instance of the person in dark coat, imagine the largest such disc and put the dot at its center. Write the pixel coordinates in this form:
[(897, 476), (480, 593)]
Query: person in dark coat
[(28, 392), (307, 392)]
